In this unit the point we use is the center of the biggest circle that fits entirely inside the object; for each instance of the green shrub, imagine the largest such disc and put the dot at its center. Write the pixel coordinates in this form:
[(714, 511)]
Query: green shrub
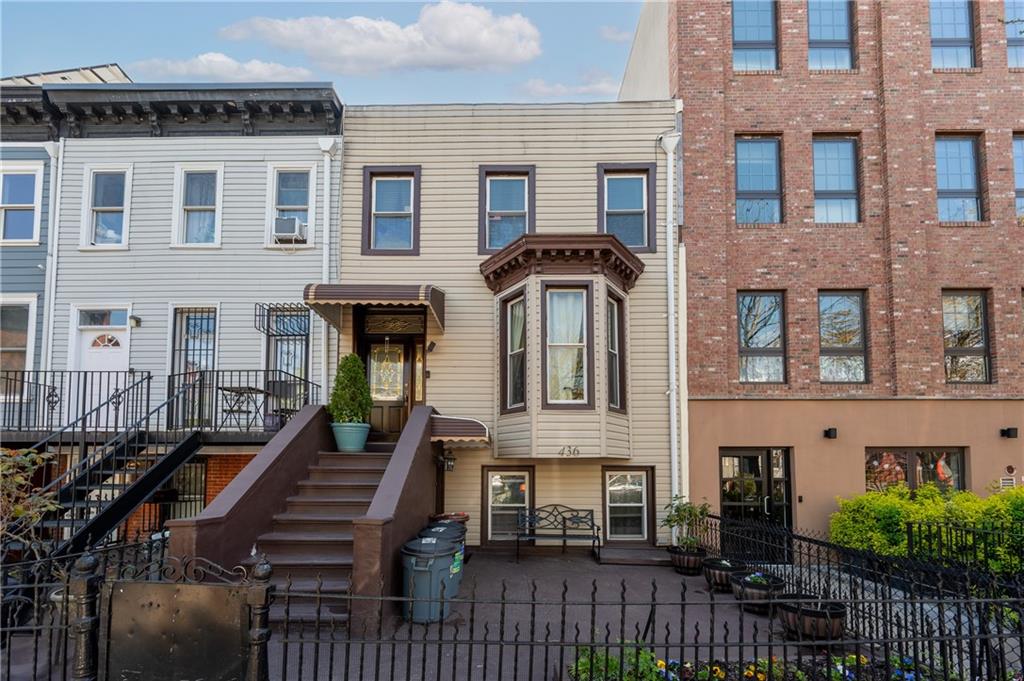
[(350, 397)]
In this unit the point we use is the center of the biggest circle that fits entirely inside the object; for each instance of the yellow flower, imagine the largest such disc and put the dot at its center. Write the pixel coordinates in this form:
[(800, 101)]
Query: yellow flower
[(718, 672), (761, 676), (749, 673), (661, 664), (863, 659)]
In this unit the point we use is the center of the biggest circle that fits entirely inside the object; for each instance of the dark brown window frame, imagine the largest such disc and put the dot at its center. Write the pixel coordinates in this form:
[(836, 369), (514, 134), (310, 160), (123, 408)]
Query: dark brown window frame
[(773, 44), (861, 351), (651, 170), (971, 41), (485, 499), (738, 194), (620, 302), (985, 351), (849, 44), (546, 286), (369, 174), (504, 303), (979, 175), (651, 510), (911, 468), (527, 171), (857, 171), (764, 352)]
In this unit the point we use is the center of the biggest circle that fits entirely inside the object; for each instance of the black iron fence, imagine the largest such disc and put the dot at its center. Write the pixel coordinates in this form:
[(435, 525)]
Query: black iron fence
[(998, 547), (240, 400), (42, 401)]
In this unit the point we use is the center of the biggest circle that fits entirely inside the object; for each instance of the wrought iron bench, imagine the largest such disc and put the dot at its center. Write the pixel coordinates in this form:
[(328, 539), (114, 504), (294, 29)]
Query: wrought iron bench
[(555, 521)]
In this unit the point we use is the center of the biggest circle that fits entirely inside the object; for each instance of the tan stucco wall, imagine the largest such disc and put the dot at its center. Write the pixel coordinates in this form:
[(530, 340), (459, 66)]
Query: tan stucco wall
[(823, 469)]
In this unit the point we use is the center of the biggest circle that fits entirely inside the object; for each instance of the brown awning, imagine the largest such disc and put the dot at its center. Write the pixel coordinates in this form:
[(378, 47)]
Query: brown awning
[(458, 431), (328, 300)]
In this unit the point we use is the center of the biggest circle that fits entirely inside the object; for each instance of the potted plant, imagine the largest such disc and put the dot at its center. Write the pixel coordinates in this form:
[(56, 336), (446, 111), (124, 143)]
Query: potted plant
[(350, 405), (683, 517), (756, 590), (806, 617), (717, 572)]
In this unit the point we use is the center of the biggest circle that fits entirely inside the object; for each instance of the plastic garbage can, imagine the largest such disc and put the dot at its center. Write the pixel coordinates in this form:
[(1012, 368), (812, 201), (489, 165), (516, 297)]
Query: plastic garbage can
[(427, 566), (454, 533)]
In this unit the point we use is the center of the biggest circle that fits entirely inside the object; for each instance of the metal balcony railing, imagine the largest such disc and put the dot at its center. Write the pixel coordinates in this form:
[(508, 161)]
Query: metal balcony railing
[(45, 401)]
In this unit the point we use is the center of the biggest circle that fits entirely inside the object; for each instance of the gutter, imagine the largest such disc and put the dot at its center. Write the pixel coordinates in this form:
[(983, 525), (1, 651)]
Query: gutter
[(328, 145), (56, 152)]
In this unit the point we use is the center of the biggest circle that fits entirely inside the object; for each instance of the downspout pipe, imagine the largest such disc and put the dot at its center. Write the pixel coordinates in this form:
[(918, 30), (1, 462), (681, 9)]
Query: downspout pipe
[(669, 143), (56, 152), (328, 145)]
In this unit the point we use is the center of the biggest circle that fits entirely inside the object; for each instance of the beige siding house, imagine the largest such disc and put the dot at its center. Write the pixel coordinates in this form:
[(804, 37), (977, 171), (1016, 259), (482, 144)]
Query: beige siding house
[(535, 325)]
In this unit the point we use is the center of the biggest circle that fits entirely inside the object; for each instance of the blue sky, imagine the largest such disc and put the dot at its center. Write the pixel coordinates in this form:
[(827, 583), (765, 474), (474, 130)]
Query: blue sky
[(381, 52)]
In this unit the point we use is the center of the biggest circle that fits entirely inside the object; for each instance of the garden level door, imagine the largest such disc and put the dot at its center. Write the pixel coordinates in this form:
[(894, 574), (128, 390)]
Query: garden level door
[(755, 501)]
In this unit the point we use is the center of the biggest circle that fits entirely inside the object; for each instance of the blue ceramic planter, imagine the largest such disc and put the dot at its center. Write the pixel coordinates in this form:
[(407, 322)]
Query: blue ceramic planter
[(350, 437)]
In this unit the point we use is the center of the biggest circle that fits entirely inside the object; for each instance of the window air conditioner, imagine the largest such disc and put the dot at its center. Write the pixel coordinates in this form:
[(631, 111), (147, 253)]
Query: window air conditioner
[(289, 231)]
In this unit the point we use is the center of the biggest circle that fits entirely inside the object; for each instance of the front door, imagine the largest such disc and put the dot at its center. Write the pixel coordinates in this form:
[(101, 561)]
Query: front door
[(755, 488), (390, 377), (102, 351)]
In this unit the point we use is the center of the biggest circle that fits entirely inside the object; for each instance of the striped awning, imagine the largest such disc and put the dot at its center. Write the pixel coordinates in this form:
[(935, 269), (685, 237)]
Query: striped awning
[(328, 300), (457, 431)]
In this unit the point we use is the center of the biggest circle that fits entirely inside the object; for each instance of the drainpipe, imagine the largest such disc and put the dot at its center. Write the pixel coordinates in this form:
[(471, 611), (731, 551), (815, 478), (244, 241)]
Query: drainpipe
[(327, 146), (669, 142), (56, 152)]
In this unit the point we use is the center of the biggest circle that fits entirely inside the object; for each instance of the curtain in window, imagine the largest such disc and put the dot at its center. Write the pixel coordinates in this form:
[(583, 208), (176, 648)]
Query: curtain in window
[(566, 347)]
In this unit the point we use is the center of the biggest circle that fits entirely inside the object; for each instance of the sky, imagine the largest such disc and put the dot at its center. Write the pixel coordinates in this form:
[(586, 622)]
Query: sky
[(373, 52)]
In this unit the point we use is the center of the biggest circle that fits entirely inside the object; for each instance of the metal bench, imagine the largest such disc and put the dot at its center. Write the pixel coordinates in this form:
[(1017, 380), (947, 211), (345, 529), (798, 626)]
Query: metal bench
[(555, 521)]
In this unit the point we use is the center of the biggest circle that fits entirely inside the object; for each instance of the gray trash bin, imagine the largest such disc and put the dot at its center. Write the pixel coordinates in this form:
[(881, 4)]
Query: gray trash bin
[(428, 578), (454, 533)]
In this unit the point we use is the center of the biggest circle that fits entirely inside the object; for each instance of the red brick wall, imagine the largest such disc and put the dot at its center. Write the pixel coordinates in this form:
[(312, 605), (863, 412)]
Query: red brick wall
[(220, 470), (899, 253)]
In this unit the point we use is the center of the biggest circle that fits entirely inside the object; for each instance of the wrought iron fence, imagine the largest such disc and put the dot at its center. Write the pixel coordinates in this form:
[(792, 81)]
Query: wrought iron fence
[(994, 546), (44, 401), (240, 400)]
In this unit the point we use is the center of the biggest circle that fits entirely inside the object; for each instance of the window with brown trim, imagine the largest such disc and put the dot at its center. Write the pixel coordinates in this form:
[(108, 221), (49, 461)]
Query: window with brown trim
[(626, 203), (567, 325), (507, 206), (615, 324), (965, 336), (391, 210), (513, 353)]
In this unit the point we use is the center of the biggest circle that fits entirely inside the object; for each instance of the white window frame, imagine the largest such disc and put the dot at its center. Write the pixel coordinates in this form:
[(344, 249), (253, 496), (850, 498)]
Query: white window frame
[(273, 169), (178, 219), (548, 344), (411, 179), (519, 298), (525, 212), (490, 504), (24, 168), (30, 300), (86, 236), (642, 505), (614, 176), (76, 331)]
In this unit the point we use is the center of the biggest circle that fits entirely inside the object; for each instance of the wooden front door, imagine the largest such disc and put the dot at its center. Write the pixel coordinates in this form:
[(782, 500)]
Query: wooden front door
[(390, 373)]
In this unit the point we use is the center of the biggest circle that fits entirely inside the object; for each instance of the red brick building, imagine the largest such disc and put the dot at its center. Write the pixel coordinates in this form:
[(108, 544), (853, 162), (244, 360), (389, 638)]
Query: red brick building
[(854, 243)]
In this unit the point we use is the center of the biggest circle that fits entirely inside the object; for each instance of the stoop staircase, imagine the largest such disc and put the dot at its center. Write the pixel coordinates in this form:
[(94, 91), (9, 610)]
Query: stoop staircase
[(312, 538)]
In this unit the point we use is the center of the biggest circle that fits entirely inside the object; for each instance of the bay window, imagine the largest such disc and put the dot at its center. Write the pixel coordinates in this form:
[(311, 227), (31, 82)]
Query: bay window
[(567, 353), (616, 356), (513, 342)]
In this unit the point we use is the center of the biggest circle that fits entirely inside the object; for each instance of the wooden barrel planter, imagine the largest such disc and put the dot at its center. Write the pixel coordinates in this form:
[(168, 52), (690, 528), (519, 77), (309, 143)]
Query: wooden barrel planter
[(718, 570), (805, 617), (687, 561), (756, 595)]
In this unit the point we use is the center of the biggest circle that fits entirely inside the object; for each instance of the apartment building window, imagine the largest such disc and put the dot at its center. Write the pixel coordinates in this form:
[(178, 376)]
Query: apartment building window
[(956, 174), (513, 341), (198, 197), (391, 215), (626, 507), (290, 205), (14, 341), (835, 181), (754, 35), (1018, 174), (626, 202), (194, 339), (20, 201), (568, 360), (507, 493), (965, 336), (615, 324), (762, 346), (841, 337), (507, 205), (952, 25), (758, 181), (106, 216), (830, 35), (885, 467), (1015, 33)]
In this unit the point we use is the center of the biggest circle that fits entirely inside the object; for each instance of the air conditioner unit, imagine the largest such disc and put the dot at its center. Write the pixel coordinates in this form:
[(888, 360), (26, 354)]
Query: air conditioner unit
[(289, 231)]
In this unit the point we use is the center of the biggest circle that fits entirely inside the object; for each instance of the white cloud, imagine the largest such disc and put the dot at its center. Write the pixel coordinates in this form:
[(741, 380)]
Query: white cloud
[(593, 84), (615, 35), (446, 36), (216, 66)]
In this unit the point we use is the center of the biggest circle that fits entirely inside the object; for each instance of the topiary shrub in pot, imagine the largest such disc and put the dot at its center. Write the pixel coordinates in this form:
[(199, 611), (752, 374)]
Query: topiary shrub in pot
[(684, 517), (350, 405)]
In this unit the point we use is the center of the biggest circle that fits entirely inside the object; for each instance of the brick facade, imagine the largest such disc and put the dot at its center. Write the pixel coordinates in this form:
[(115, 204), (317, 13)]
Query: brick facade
[(220, 470), (899, 254)]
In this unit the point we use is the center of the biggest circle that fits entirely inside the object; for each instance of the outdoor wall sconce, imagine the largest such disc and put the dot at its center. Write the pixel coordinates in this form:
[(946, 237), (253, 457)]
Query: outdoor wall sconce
[(446, 461), (430, 346), (1009, 433), (134, 322), (831, 433)]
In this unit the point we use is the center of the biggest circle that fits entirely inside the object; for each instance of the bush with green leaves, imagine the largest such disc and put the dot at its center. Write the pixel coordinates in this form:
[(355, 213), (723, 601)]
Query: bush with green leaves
[(685, 516), (350, 398)]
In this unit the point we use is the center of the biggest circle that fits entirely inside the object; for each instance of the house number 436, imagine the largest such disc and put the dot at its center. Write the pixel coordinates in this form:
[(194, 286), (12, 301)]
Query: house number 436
[(569, 450)]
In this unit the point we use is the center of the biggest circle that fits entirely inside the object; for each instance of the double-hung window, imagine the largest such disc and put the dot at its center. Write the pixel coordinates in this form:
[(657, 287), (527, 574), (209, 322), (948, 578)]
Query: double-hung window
[(198, 197), (567, 350), (1015, 33), (965, 336), (758, 181), (952, 25), (108, 208), (625, 208), (841, 337), (835, 181), (1018, 174), (626, 504), (290, 210), (616, 353), (20, 201), (508, 492), (754, 35), (830, 35), (956, 174), (15, 340), (391, 211), (762, 347), (514, 352), (507, 203)]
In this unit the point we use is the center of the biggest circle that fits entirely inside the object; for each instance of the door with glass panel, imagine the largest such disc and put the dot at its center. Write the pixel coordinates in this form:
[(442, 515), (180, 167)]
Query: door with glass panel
[(754, 488), (626, 505), (507, 493), (388, 366)]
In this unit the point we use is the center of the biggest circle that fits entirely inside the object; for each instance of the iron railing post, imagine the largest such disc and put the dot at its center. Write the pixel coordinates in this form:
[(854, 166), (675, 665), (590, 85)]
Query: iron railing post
[(910, 539), (259, 634), (84, 590)]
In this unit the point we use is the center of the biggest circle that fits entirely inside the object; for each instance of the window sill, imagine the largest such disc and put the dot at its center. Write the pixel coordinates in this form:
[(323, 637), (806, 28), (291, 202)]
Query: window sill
[(123, 247), (972, 69), (834, 72), (19, 242), (288, 247), (979, 223), (765, 72), (196, 247), (757, 225), (850, 225)]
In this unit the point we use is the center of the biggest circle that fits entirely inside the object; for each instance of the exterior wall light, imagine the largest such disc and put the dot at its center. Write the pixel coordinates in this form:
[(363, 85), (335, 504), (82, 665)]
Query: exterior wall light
[(831, 433), (1010, 433), (134, 322), (430, 346)]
